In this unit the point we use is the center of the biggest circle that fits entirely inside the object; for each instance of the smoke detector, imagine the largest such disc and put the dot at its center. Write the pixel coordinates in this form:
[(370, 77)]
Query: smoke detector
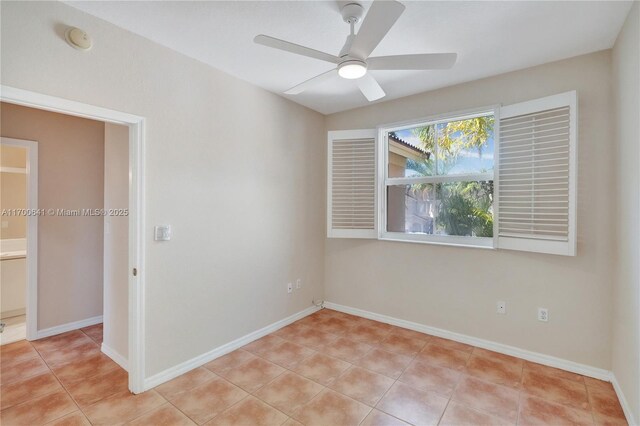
[(78, 39)]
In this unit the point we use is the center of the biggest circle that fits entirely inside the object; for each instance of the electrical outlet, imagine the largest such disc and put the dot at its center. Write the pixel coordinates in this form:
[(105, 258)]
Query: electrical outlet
[(543, 314), (501, 307), (298, 284), (289, 288)]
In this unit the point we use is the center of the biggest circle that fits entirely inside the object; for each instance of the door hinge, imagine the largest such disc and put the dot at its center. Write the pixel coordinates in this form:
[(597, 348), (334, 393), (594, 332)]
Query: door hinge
[(135, 272)]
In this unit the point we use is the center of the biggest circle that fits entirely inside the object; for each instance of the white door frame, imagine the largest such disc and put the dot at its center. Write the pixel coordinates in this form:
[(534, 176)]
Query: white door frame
[(32, 232), (136, 126)]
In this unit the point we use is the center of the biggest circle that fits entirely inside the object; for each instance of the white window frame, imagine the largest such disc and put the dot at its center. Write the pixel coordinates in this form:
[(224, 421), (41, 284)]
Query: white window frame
[(384, 181)]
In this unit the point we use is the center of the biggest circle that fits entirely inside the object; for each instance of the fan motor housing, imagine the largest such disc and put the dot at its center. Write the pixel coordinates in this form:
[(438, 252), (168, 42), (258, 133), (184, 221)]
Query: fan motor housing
[(352, 12)]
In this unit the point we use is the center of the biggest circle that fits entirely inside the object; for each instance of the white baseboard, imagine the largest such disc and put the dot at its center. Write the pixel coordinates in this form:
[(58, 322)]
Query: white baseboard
[(13, 313), (623, 401), (115, 356), (173, 372), (574, 367), (59, 329)]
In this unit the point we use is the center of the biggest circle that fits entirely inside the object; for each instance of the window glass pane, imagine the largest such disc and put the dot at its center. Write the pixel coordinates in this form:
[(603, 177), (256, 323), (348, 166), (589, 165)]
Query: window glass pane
[(465, 146), (411, 208), (456, 208), (465, 209), (410, 152)]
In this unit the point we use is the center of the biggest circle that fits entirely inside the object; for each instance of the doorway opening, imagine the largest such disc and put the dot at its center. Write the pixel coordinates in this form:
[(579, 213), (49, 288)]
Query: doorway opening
[(125, 224), (18, 233)]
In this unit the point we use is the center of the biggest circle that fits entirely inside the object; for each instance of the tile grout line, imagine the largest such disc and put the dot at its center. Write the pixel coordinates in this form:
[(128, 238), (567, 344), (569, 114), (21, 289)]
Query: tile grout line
[(218, 376), (31, 376), (373, 347), (62, 384), (316, 351), (593, 415), (395, 380), (455, 387), (116, 394), (520, 392), (288, 369), (462, 373), (177, 408)]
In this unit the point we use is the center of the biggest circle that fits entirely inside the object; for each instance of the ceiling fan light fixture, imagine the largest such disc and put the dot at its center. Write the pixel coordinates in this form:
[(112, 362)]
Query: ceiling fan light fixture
[(352, 70)]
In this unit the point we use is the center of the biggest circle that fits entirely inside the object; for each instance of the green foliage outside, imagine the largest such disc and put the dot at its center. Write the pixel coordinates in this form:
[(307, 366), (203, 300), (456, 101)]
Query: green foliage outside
[(465, 207)]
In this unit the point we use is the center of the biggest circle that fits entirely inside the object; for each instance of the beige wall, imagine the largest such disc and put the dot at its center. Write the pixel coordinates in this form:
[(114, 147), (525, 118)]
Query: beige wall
[(13, 191), (456, 288), (237, 171), (13, 281), (626, 295), (13, 156), (13, 195), (70, 176), (116, 239)]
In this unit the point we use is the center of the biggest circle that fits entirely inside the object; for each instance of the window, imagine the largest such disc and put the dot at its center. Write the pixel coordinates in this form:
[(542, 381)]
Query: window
[(500, 177), (438, 184)]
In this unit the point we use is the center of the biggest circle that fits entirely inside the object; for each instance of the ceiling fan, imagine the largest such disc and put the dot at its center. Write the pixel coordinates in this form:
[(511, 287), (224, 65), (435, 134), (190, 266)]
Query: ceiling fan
[(353, 60)]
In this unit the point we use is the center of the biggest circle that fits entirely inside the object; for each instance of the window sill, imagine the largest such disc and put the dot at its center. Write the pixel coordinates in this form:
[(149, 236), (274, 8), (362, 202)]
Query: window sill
[(467, 242)]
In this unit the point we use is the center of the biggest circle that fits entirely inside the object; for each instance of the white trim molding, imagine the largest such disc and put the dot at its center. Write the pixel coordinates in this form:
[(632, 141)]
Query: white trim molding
[(626, 408), (115, 356), (19, 170), (13, 95), (551, 361), (70, 326), (184, 367)]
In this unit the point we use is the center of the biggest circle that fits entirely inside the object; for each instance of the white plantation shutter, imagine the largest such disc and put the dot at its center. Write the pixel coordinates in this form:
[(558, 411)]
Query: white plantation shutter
[(536, 185), (351, 203)]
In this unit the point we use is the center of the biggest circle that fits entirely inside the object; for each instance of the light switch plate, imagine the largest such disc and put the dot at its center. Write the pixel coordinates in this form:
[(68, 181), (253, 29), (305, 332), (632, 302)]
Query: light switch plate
[(162, 233)]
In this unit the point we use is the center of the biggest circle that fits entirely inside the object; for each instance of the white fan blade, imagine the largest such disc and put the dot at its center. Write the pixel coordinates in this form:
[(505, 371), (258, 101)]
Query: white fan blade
[(276, 43), (379, 20), (370, 87), (311, 82), (427, 61)]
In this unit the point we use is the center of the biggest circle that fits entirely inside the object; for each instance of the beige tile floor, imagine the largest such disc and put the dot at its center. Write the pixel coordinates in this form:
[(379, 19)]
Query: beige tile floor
[(326, 369)]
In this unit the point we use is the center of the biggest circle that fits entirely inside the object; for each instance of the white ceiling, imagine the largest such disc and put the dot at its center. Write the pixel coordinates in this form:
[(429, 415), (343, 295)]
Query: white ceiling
[(489, 37)]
